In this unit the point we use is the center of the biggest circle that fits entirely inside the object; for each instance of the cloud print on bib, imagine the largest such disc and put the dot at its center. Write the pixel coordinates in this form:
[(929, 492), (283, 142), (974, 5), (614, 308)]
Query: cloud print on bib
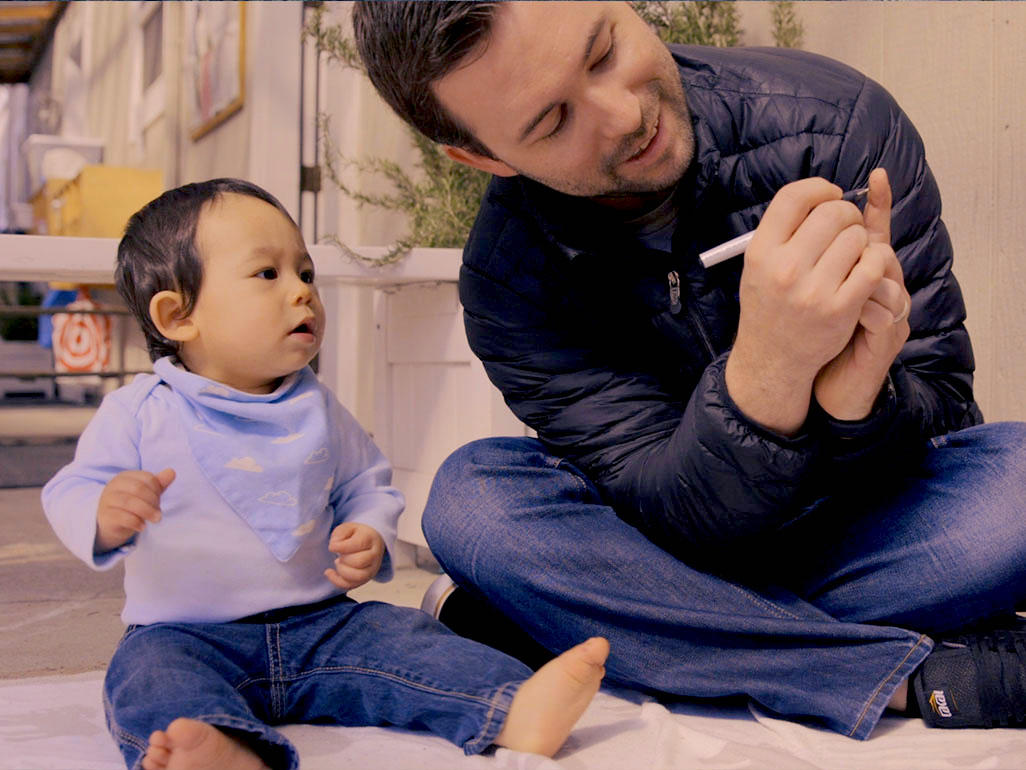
[(320, 456), (267, 454), (244, 464), (279, 498), (305, 529)]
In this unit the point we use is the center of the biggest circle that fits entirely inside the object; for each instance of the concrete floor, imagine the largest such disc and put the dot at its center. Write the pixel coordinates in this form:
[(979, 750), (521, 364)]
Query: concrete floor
[(57, 616)]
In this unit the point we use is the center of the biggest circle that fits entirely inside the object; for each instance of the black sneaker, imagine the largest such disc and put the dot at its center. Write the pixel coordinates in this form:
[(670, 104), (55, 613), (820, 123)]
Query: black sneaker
[(468, 615), (977, 681)]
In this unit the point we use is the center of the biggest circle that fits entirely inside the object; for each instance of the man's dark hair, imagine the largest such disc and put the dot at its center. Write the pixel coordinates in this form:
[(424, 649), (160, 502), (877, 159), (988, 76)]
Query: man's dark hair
[(408, 46), (158, 251)]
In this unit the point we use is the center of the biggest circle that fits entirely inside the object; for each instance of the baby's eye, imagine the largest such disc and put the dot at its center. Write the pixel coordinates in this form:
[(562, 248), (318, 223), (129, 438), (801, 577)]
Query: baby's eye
[(268, 273), (307, 276)]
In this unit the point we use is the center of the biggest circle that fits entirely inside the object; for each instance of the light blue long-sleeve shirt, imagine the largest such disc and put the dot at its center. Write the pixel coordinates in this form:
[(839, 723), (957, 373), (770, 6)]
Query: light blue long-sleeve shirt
[(203, 562)]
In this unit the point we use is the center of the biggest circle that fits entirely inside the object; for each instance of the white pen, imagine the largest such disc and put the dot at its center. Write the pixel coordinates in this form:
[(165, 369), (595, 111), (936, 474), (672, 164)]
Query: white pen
[(736, 246)]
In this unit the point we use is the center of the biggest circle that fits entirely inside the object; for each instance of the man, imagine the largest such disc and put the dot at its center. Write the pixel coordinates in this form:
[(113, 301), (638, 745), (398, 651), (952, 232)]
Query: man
[(766, 478)]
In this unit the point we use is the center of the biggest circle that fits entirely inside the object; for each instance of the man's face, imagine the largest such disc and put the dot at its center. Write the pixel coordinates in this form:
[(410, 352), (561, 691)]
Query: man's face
[(582, 97)]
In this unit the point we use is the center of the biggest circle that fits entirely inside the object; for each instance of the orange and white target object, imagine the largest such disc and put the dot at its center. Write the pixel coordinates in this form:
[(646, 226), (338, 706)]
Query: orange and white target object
[(81, 342)]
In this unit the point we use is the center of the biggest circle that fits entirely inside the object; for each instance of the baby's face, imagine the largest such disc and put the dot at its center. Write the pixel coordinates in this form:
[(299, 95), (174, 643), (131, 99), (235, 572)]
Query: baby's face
[(258, 314)]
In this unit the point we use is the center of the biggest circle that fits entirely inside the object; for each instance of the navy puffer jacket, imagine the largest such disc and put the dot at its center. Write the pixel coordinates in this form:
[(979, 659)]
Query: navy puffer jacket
[(578, 326)]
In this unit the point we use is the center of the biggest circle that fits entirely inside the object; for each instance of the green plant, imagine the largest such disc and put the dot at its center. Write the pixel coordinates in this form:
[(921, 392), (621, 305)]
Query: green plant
[(713, 22), (440, 203), (788, 30), (705, 22), (440, 200)]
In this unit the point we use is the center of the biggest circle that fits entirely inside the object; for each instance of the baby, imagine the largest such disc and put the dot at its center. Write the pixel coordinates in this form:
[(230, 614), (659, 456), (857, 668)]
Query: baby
[(245, 501)]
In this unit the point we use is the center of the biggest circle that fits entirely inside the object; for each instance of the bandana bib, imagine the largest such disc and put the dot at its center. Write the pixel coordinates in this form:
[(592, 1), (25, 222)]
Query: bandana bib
[(268, 455)]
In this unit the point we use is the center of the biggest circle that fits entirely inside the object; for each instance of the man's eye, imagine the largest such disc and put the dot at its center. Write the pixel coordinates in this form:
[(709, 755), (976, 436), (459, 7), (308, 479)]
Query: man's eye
[(307, 276), (560, 124), (269, 273), (607, 57), (608, 54)]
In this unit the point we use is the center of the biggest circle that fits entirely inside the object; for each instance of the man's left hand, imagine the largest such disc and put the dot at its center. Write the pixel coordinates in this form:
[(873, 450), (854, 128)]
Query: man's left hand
[(848, 386)]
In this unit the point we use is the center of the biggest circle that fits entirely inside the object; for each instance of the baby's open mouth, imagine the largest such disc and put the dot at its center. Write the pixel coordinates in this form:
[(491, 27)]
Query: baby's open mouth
[(303, 328)]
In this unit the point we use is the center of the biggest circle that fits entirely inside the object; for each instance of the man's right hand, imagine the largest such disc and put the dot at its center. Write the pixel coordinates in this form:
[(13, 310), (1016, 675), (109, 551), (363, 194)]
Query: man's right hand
[(802, 291), (127, 503)]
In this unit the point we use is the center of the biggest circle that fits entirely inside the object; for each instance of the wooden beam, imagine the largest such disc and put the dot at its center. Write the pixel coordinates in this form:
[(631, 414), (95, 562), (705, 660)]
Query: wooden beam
[(53, 12), (15, 12), (20, 49), (21, 29)]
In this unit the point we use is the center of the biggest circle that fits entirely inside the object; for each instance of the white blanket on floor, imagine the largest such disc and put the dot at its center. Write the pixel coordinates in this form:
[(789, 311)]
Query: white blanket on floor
[(56, 723)]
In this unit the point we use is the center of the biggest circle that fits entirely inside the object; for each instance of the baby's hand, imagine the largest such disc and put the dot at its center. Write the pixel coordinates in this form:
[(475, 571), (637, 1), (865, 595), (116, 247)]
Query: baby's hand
[(129, 500), (360, 550)]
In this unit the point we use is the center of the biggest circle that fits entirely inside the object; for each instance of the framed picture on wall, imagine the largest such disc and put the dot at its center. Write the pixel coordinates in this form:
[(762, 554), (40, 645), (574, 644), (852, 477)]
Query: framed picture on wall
[(216, 63)]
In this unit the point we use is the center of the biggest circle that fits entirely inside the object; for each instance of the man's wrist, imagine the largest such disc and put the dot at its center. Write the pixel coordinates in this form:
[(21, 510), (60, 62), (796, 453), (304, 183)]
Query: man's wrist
[(842, 402), (879, 411), (778, 401)]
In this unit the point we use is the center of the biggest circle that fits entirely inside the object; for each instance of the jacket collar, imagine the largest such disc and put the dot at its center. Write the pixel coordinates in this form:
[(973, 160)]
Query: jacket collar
[(576, 225)]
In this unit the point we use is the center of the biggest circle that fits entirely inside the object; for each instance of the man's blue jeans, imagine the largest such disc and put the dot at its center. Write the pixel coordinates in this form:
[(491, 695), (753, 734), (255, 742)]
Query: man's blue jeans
[(334, 663), (839, 609)]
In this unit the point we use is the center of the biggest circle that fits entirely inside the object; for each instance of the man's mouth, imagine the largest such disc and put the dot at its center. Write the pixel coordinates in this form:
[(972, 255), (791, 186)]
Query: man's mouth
[(647, 144)]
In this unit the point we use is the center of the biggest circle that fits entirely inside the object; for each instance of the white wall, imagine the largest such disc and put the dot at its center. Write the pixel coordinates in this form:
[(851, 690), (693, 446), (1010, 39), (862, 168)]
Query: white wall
[(363, 127), (959, 71), (259, 142)]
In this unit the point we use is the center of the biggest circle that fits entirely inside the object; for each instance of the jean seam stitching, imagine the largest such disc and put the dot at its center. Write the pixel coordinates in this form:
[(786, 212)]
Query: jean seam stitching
[(886, 679), (222, 719), (489, 718), (582, 485), (387, 675), (272, 662), (766, 604), (130, 738), (118, 732), (280, 677)]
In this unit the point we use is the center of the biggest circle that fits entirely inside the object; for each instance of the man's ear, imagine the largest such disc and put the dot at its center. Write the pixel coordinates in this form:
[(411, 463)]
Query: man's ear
[(166, 312), (481, 162)]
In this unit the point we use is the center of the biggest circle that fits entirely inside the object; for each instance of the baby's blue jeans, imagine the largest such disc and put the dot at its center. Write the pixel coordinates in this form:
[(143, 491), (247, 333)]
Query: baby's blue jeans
[(833, 614), (333, 663)]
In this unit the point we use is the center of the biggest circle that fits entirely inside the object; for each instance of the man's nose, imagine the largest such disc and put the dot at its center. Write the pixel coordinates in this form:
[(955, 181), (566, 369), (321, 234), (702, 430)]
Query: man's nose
[(617, 110)]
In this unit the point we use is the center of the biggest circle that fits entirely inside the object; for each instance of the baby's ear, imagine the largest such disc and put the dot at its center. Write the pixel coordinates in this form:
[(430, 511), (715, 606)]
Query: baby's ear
[(167, 314)]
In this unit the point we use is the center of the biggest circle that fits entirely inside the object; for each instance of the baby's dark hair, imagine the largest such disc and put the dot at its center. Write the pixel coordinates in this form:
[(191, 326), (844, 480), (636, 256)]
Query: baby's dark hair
[(158, 251)]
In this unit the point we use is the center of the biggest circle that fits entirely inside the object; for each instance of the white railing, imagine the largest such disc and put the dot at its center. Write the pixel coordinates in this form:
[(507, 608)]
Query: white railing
[(91, 260)]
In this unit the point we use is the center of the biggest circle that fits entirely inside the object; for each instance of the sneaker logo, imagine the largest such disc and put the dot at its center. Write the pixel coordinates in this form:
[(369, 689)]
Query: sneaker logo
[(939, 704)]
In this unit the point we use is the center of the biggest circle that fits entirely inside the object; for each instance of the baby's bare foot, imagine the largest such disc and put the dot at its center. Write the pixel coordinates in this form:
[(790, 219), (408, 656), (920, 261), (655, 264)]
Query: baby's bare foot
[(191, 745), (548, 705)]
